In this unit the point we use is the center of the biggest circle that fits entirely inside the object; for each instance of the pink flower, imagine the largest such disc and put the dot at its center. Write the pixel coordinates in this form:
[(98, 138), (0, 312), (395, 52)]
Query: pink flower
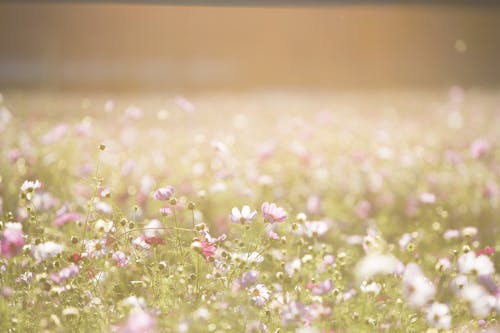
[(166, 211), (245, 216), (164, 193), (427, 198), (320, 288), (479, 148), (273, 213), (139, 321), (363, 209), (65, 218), (120, 258), (207, 249), (12, 240)]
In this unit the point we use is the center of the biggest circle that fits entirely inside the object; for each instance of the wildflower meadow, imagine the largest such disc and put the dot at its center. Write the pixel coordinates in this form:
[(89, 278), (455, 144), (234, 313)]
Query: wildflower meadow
[(250, 212)]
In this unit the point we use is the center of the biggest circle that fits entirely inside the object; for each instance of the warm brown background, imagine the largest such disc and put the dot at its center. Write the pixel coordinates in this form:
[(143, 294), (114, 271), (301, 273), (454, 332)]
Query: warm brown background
[(152, 47)]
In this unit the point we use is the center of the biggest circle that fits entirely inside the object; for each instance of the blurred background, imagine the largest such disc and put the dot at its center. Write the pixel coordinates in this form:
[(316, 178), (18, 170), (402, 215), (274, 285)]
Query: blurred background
[(153, 47)]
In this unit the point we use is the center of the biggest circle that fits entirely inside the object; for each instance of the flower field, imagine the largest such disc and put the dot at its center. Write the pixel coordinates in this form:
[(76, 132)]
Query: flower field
[(250, 212)]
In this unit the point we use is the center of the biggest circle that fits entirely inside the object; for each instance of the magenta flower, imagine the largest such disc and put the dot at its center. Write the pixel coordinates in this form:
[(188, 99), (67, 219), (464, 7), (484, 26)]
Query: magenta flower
[(273, 213), (164, 193), (12, 240), (208, 249)]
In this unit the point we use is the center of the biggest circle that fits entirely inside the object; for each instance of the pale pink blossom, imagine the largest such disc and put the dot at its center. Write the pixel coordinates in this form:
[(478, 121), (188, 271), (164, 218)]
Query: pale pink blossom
[(479, 148), (139, 321), (66, 218), (120, 258), (273, 213), (13, 240)]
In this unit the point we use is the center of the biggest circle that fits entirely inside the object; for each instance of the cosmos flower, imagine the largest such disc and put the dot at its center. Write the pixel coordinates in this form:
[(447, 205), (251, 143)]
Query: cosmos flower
[(479, 148), (259, 294), (418, 290), (120, 258), (320, 288), (273, 213), (376, 263), (46, 250), (469, 263), (12, 241), (245, 216), (164, 193), (370, 287), (139, 321), (315, 228), (68, 272), (66, 218), (30, 186), (438, 315), (104, 226), (481, 303), (207, 249)]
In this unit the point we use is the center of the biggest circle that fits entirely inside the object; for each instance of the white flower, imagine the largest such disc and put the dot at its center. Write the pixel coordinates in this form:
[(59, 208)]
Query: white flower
[(103, 226), (30, 185), (95, 247), (245, 216), (372, 287), (468, 263), (417, 289), (134, 302), (315, 228), (469, 231), (293, 267), (374, 264), (248, 257), (154, 229), (46, 250), (260, 294), (438, 315), (480, 301), (14, 226), (103, 207)]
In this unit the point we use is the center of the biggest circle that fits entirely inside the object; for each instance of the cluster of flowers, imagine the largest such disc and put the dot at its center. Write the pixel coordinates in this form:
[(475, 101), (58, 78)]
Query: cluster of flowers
[(380, 237)]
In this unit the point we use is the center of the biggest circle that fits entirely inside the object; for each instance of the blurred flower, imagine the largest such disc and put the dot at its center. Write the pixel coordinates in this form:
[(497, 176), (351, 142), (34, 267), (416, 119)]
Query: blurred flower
[(46, 250), (12, 241), (273, 213), (245, 216), (164, 193), (320, 288), (120, 258), (438, 315), (428, 198), (68, 272), (417, 289), (372, 287), (139, 321), (30, 185), (469, 263), (259, 294), (479, 148), (315, 228), (66, 218), (480, 301)]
